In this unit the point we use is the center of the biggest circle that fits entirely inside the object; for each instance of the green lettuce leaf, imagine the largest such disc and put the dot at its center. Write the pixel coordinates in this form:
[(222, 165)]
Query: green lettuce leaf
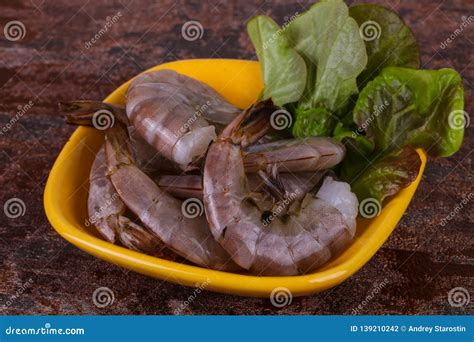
[(389, 41), (314, 67), (387, 175), (312, 122), (283, 69), (329, 40), (413, 107), (359, 144)]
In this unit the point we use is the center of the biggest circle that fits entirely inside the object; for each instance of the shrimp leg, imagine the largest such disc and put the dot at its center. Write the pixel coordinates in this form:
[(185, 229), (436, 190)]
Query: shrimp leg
[(159, 211), (267, 243)]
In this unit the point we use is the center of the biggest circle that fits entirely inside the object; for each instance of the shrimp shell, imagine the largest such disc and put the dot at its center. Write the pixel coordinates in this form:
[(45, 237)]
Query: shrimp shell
[(158, 211), (288, 155), (103, 203), (171, 112), (106, 212), (296, 243), (295, 155)]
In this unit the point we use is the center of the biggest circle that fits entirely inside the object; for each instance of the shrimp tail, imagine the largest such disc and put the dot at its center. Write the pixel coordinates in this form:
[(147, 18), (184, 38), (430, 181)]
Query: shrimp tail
[(118, 148), (250, 125), (134, 236), (85, 113)]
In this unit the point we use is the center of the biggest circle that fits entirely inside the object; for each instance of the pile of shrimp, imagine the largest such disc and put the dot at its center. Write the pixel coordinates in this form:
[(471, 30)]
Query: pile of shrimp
[(264, 203)]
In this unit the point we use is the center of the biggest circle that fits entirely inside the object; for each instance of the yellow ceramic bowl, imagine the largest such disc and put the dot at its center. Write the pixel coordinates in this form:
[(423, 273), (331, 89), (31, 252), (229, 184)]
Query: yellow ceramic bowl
[(240, 83)]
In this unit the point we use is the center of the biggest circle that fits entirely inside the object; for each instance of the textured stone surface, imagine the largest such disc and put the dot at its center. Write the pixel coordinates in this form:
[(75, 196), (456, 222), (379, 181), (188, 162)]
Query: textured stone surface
[(41, 273)]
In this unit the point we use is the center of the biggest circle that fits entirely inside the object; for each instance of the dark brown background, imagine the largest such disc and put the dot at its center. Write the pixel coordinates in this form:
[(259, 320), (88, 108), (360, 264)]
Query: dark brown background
[(420, 262)]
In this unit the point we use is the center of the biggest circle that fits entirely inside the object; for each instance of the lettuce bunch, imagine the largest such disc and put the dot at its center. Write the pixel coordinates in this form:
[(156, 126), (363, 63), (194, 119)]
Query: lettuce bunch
[(353, 74)]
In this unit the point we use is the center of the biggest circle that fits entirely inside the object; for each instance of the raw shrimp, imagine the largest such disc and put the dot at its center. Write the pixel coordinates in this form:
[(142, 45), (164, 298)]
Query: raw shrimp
[(283, 241), (106, 212), (295, 155), (160, 212), (168, 83), (172, 113), (288, 155)]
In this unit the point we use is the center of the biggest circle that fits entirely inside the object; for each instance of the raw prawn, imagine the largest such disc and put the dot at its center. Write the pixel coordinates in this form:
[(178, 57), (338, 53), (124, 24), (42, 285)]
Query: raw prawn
[(172, 113), (158, 211), (106, 213), (276, 242), (177, 115), (289, 155)]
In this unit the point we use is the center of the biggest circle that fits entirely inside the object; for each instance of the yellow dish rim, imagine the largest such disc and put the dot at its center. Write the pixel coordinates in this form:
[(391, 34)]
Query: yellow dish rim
[(330, 275)]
